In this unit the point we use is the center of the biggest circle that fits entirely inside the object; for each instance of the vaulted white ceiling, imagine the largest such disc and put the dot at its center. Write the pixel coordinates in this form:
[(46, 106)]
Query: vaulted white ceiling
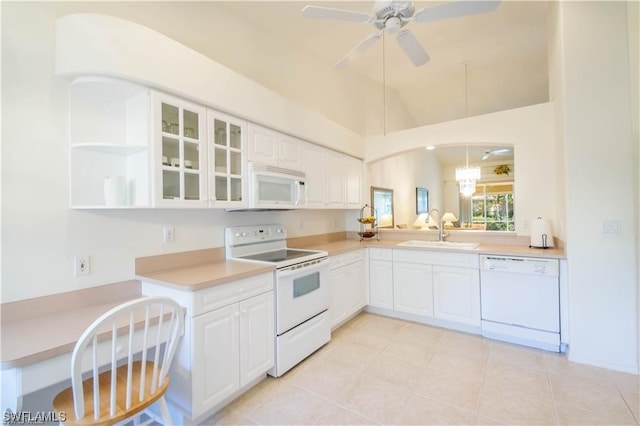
[(273, 44), (506, 53)]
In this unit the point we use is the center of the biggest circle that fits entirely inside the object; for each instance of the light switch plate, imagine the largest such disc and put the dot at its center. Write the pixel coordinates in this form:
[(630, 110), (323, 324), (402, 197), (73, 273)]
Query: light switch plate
[(611, 226)]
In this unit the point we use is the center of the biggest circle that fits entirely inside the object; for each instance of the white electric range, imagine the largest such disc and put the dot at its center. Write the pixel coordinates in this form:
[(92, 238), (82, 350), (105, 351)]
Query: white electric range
[(301, 290)]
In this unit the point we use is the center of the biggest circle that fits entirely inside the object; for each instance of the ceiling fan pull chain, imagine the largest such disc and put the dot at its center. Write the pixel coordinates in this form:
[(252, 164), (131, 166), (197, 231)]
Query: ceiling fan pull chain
[(384, 88)]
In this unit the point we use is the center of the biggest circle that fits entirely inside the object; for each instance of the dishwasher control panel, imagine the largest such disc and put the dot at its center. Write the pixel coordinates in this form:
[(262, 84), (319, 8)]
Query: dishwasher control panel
[(520, 265)]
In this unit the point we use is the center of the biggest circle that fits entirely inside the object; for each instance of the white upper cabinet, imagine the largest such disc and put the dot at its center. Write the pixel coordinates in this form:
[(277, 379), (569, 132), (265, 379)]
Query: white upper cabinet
[(180, 159), (109, 143), (135, 147), (353, 175), (334, 180), (270, 147), (226, 136), (316, 176)]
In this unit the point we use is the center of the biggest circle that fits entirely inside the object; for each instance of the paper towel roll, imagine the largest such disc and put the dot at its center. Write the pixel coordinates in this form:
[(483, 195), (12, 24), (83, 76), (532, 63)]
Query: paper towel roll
[(541, 235)]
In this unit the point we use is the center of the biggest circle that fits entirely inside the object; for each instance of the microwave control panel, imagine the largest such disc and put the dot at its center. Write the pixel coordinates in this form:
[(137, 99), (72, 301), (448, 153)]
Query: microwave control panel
[(241, 235)]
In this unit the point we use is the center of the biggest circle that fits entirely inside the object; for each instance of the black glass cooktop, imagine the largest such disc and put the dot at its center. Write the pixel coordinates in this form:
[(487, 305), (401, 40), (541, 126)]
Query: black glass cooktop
[(278, 255)]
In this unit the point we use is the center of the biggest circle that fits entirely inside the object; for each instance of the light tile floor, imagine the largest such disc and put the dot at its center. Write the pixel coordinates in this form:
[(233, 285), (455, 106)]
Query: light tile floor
[(379, 370)]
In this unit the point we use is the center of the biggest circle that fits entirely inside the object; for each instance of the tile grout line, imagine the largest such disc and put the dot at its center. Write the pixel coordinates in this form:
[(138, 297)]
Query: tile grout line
[(628, 406), (556, 415)]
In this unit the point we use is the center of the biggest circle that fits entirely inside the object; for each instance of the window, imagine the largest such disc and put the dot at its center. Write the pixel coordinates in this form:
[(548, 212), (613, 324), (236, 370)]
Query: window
[(492, 204)]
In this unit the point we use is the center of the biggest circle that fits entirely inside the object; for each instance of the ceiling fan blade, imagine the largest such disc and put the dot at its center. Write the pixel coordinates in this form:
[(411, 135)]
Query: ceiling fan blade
[(454, 9), (500, 151), (485, 156), (412, 48), (357, 51), (319, 12)]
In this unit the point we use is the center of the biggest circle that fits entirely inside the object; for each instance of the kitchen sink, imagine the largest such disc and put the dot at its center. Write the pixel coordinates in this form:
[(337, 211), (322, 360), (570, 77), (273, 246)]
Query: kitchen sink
[(439, 244)]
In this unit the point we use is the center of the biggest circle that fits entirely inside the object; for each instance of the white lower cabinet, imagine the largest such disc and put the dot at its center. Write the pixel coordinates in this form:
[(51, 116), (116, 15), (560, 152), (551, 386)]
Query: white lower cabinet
[(228, 343), (218, 364), (437, 287), (256, 337), (456, 294), (347, 283), (231, 347), (413, 288), (338, 284), (381, 278)]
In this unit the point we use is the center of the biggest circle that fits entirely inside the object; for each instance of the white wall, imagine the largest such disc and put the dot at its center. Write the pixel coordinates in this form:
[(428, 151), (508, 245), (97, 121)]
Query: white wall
[(247, 48), (529, 129), (634, 65), (600, 163), (40, 234)]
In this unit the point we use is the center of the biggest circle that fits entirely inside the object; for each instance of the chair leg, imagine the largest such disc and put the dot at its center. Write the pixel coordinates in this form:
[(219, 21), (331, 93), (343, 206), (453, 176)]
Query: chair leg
[(164, 411)]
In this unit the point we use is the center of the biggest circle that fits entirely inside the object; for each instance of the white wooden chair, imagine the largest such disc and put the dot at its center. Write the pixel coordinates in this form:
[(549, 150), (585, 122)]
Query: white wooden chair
[(130, 350)]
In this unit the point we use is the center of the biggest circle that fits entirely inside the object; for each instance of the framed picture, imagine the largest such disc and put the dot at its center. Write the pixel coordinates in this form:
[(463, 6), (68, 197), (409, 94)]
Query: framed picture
[(422, 200), (382, 202)]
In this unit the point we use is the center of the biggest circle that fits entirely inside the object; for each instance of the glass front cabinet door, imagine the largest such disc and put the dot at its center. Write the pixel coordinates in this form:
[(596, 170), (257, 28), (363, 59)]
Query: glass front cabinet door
[(180, 156), (226, 137)]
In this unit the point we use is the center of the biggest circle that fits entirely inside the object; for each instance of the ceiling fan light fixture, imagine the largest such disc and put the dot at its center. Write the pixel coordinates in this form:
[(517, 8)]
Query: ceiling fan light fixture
[(392, 15), (393, 25)]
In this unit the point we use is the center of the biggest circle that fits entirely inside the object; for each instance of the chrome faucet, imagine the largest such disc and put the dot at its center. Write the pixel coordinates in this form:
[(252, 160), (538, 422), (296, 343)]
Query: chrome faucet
[(441, 234)]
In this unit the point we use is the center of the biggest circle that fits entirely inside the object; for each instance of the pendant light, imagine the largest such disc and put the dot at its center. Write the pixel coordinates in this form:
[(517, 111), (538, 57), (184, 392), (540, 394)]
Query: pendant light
[(467, 176)]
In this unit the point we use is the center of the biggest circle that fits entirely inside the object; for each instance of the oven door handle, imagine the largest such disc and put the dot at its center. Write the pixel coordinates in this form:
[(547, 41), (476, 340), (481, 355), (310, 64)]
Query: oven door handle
[(289, 270)]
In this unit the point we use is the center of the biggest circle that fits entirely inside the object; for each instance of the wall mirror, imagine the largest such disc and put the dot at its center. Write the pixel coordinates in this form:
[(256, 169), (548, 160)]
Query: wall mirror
[(382, 202), (490, 207)]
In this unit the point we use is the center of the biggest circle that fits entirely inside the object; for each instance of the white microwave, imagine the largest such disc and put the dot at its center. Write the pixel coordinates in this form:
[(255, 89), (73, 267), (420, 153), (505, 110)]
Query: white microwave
[(272, 187)]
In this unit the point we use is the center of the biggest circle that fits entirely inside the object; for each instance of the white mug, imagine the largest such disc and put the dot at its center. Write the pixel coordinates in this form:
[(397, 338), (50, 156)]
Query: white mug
[(175, 162), (114, 191)]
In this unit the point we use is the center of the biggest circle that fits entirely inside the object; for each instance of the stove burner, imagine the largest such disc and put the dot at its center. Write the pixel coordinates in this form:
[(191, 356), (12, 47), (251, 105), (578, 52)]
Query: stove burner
[(277, 255)]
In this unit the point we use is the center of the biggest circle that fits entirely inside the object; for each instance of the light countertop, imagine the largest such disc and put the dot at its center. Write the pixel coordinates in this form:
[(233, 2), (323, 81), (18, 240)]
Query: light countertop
[(193, 277), (55, 331), (343, 246), (204, 275)]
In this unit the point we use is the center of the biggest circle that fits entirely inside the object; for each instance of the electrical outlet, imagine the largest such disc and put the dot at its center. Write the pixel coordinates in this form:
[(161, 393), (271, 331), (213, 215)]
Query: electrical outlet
[(168, 234), (81, 266)]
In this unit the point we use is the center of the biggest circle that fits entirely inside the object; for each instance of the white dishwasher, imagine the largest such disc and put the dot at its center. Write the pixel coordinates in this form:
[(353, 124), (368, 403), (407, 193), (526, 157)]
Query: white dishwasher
[(520, 300)]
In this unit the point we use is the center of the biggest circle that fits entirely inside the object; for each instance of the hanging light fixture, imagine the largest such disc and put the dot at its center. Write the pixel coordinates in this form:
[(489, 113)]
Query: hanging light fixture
[(467, 176)]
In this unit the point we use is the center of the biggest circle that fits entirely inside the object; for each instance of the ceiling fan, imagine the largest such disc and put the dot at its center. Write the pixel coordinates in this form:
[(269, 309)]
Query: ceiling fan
[(392, 15), (490, 152)]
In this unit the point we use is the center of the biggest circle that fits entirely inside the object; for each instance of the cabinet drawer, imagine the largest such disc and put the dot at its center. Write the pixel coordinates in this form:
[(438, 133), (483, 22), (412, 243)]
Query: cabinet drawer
[(345, 259), (464, 260), (380, 254), (225, 294)]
